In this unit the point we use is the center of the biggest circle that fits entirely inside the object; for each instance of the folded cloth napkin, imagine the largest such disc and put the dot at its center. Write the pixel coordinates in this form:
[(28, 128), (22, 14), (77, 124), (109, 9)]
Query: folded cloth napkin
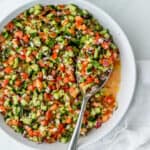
[(133, 132)]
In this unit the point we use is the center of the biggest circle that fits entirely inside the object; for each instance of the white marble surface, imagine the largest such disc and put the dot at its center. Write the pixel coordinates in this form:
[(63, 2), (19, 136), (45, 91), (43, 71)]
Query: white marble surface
[(133, 17)]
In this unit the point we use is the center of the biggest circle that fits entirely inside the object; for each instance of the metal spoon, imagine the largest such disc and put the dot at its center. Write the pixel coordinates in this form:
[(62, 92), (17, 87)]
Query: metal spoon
[(103, 79)]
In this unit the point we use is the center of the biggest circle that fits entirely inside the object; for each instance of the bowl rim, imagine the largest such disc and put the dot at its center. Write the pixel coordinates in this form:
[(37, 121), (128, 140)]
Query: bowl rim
[(99, 9)]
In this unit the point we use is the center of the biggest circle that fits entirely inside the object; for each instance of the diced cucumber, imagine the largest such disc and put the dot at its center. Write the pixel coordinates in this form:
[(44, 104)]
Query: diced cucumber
[(15, 100), (26, 120), (37, 41), (64, 139), (16, 62), (96, 53), (16, 110), (24, 102)]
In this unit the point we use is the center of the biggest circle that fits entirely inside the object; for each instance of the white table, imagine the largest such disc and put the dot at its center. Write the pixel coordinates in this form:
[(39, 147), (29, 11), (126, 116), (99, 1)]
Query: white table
[(133, 17)]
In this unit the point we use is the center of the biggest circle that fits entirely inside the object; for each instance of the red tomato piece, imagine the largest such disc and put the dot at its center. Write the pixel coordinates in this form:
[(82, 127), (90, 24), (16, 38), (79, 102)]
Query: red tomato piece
[(54, 56), (10, 26), (109, 100), (105, 45), (24, 75), (25, 38), (18, 34), (48, 115), (31, 87), (18, 82), (5, 83), (8, 70)]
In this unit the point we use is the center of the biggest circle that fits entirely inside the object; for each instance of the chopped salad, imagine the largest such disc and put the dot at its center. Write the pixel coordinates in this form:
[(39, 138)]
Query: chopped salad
[(41, 52)]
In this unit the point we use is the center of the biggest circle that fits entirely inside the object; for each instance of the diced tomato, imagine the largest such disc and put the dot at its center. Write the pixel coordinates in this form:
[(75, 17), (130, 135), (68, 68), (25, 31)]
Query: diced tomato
[(8, 70), (43, 36), (44, 122), (106, 62), (56, 47), (22, 56), (109, 100), (65, 87), (95, 104), (83, 71), (30, 133), (97, 38), (18, 83), (105, 45), (25, 38), (114, 55), (62, 67), (23, 51), (31, 87), (48, 115), (24, 75), (5, 83), (2, 101), (79, 20), (18, 34), (72, 30), (36, 133), (2, 39), (105, 117), (47, 96), (13, 122), (54, 56), (41, 63), (66, 79), (68, 120), (38, 84), (82, 27), (28, 129), (90, 79), (52, 87), (40, 75), (84, 65), (2, 109), (34, 53), (59, 78), (60, 128), (10, 26), (73, 92), (53, 107)]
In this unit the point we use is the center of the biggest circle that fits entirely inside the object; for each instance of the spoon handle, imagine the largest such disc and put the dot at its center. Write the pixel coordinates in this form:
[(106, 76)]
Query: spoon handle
[(74, 139)]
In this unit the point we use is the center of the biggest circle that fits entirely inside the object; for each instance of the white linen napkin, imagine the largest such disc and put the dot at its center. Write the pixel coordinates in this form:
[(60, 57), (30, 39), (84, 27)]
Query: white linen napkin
[(133, 132)]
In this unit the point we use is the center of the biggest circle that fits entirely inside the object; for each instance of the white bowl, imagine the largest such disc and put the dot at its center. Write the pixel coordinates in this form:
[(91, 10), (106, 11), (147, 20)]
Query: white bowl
[(128, 75)]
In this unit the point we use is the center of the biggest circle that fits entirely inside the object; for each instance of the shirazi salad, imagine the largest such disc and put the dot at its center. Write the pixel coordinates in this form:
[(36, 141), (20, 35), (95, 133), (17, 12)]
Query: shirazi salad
[(39, 94)]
